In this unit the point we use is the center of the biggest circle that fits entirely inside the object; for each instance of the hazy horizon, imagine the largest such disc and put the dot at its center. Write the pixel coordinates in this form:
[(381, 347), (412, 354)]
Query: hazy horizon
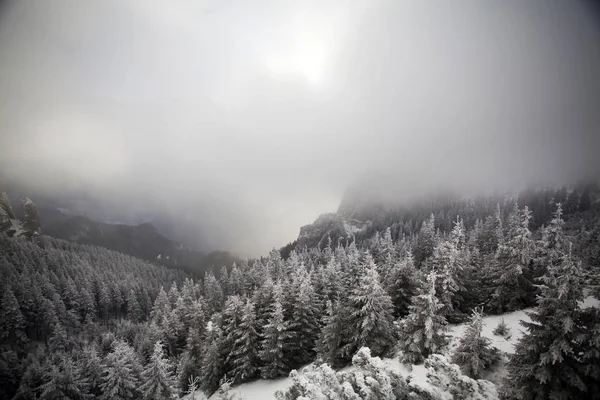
[(242, 122)]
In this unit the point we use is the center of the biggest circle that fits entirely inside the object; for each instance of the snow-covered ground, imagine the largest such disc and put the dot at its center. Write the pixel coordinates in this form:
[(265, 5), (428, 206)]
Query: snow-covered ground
[(262, 389)]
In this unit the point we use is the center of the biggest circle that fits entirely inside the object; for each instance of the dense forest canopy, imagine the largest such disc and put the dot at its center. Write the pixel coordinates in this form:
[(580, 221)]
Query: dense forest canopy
[(80, 321)]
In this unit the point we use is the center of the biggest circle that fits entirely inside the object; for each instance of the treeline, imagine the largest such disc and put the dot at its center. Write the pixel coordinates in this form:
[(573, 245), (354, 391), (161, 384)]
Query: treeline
[(261, 319), (54, 291)]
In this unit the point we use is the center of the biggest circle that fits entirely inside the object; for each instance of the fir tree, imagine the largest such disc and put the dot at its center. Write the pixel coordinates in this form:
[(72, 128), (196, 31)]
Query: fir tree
[(157, 376), (328, 346), (92, 369), (502, 329), (161, 309), (370, 311), (64, 380), (548, 359), (275, 341), (212, 293), (426, 241), (134, 311), (304, 323), (243, 355), (121, 379), (475, 353), (212, 369), (514, 286), (422, 332), (12, 322), (401, 284)]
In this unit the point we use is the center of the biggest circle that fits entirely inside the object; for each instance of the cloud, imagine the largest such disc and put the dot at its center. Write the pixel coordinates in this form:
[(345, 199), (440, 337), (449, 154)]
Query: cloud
[(239, 122)]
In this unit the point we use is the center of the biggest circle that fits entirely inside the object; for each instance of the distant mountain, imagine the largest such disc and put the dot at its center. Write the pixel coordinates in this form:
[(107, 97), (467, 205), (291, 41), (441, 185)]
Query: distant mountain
[(143, 241)]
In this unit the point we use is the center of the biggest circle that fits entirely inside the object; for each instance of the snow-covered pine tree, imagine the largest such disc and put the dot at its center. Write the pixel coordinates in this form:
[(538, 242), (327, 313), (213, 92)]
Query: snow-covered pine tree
[(422, 332), (550, 359), (157, 377), (92, 370), (236, 281), (64, 380), (224, 280), (370, 311), (474, 353), (243, 354), (502, 329), (491, 233), (212, 369), (134, 311), (328, 345), (161, 309), (275, 341), (426, 241), (12, 322), (230, 325), (514, 286), (122, 373), (213, 294), (401, 284), (304, 324)]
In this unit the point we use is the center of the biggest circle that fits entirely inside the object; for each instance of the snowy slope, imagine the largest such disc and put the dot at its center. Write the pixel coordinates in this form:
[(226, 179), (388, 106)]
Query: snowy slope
[(262, 389)]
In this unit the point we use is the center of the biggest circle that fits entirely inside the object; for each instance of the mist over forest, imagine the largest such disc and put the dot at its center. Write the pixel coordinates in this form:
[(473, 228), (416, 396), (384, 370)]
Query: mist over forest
[(226, 199)]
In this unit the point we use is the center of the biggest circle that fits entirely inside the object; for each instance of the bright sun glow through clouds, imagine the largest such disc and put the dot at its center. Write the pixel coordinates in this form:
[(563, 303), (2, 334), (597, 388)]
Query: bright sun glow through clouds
[(304, 46)]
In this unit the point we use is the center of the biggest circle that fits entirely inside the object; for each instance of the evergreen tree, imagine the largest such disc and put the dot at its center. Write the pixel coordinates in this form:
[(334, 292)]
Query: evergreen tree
[(161, 309), (275, 341), (426, 241), (370, 310), (304, 323), (475, 353), (548, 362), (244, 351), (157, 376), (422, 332), (59, 341), (231, 321), (134, 311), (502, 329), (91, 369), (12, 322), (514, 286), (64, 380), (121, 379), (328, 346), (212, 293), (212, 369), (401, 284)]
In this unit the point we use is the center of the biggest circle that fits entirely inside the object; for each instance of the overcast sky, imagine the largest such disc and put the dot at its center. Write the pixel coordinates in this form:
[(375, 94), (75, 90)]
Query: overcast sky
[(247, 119)]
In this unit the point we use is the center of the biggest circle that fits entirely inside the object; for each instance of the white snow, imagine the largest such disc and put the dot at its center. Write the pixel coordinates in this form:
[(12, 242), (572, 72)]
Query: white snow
[(263, 389)]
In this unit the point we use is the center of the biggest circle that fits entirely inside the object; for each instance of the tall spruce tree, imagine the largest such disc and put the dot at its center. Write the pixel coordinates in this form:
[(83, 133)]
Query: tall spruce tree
[(122, 373), (275, 341), (329, 343), (401, 284), (474, 353), (157, 377), (551, 361), (514, 286), (370, 312), (212, 369), (304, 323), (243, 353), (422, 332)]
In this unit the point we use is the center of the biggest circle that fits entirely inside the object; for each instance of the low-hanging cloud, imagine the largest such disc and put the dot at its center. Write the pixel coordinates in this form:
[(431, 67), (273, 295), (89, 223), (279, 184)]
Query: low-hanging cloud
[(241, 121)]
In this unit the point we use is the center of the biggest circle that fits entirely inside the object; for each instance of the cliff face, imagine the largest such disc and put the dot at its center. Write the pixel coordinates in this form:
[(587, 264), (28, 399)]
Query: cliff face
[(329, 226)]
